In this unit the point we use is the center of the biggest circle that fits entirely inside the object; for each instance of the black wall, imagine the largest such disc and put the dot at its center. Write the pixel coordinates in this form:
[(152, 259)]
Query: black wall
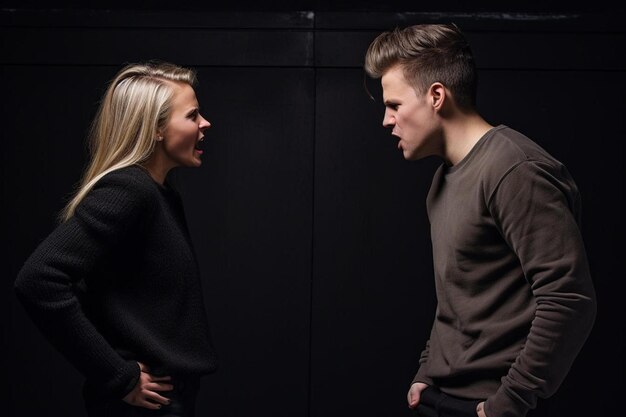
[(310, 227)]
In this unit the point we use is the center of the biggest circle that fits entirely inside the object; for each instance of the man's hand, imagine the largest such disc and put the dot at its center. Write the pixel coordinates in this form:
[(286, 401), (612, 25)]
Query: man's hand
[(413, 397), (146, 392), (480, 410)]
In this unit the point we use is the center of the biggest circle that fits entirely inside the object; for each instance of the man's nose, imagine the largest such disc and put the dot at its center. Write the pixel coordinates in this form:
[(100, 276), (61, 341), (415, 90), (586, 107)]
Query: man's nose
[(388, 119)]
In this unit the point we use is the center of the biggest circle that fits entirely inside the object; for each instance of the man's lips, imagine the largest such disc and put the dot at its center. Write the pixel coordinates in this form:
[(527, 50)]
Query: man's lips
[(399, 139)]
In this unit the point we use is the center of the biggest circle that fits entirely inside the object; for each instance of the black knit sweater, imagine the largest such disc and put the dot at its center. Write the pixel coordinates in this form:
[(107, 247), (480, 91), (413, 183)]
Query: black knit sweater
[(119, 283)]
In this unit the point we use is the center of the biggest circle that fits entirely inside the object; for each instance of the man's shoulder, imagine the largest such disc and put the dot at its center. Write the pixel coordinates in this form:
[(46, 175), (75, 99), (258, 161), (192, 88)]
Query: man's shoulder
[(508, 150), (510, 147)]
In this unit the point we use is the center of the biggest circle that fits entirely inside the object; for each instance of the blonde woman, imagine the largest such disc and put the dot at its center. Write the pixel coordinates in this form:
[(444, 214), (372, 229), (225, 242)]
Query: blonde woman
[(116, 286)]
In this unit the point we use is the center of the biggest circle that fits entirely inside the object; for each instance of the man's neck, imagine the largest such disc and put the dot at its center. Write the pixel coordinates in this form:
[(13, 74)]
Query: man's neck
[(461, 134)]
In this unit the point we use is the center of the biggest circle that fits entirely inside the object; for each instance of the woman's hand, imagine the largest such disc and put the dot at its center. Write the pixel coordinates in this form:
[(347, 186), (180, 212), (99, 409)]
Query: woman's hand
[(146, 392), (413, 397)]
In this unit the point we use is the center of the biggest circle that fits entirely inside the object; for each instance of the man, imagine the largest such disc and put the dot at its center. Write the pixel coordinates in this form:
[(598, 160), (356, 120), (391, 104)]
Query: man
[(515, 297)]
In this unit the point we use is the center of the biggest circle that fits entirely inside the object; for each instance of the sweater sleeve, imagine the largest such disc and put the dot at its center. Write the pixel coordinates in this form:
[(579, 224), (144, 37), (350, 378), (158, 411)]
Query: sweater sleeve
[(421, 372), (535, 207), (46, 284)]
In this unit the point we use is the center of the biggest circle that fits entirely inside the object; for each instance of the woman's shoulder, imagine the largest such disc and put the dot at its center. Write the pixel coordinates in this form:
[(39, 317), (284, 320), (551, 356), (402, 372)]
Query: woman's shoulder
[(133, 178), (125, 189), (134, 173)]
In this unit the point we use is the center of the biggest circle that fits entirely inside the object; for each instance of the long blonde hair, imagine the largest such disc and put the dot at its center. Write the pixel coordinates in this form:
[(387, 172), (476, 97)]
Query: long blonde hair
[(136, 105)]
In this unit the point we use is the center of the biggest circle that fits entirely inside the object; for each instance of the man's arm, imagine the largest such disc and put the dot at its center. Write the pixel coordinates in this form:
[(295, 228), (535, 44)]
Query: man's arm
[(536, 218), (421, 372), (420, 381)]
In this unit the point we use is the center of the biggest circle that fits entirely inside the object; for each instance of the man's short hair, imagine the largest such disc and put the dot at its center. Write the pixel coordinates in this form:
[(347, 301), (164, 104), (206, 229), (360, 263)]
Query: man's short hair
[(428, 54)]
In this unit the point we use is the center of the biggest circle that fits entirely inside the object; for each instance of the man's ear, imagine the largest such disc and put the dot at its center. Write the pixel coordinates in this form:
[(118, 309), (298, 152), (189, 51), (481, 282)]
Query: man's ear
[(437, 95)]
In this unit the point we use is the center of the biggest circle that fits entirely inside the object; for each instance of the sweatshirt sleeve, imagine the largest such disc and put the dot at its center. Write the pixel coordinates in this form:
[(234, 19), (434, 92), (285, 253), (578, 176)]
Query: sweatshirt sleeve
[(46, 284), (421, 372), (536, 206)]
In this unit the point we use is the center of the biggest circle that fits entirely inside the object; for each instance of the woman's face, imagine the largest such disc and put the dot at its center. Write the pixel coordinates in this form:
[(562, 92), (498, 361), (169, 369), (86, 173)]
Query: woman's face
[(184, 129)]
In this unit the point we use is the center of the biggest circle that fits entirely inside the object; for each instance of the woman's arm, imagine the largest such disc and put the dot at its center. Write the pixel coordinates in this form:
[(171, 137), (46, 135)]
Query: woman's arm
[(74, 250)]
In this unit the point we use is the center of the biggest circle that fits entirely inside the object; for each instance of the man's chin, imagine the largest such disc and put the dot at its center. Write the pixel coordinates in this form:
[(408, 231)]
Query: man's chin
[(410, 156)]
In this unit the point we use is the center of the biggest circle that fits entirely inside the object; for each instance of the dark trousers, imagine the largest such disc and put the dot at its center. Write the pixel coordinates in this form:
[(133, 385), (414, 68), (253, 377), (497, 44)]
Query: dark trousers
[(182, 403), (434, 403)]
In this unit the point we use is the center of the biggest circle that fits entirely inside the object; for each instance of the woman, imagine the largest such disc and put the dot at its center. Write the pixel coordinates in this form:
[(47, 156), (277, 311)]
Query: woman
[(116, 286)]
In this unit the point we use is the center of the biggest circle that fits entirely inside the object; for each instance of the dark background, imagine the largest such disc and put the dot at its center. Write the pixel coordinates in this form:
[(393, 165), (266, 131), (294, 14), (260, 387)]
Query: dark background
[(310, 227)]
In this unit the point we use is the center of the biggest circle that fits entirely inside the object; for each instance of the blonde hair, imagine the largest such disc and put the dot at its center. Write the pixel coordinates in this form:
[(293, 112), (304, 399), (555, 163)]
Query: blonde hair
[(135, 106), (428, 54)]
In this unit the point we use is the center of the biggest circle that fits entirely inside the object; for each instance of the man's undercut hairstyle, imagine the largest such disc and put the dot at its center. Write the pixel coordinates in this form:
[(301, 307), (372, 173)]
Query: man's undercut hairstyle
[(428, 54)]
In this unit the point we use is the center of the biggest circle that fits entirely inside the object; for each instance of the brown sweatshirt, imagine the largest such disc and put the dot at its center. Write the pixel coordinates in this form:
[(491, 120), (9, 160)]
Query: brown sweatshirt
[(515, 297)]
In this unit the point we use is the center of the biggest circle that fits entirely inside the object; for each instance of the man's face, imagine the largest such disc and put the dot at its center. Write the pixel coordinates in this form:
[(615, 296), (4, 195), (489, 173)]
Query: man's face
[(411, 117)]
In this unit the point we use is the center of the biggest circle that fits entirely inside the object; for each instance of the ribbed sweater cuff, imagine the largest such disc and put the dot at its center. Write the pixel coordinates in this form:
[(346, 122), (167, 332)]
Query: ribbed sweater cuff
[(502, 405), (126, 380), (420, 377)]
